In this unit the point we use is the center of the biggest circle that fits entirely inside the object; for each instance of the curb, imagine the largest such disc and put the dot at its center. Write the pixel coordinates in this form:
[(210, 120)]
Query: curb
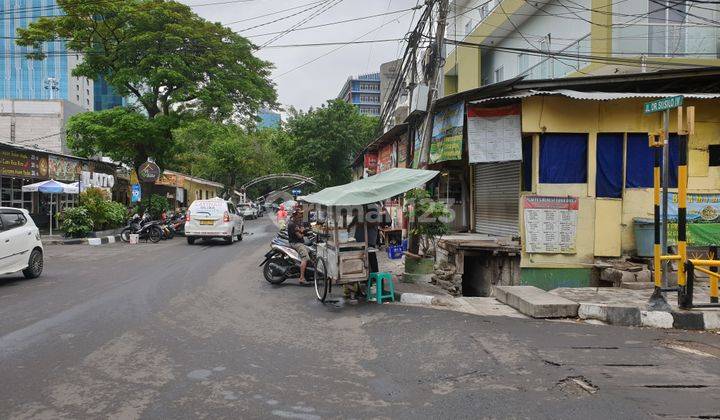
[(420, 299), (629, 316), (85, 241)]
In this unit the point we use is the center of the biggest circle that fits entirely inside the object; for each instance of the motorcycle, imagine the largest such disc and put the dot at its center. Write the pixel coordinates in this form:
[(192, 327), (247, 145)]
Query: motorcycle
[(143, 226), (282, 261), (177, 224)]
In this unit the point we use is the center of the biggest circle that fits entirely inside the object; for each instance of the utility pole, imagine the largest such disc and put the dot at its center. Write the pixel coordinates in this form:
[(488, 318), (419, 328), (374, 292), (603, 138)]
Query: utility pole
[(434, 80)]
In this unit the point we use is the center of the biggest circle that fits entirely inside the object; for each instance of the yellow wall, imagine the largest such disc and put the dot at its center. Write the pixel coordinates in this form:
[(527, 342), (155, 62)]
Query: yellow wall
[(563, 115), (192, 187)]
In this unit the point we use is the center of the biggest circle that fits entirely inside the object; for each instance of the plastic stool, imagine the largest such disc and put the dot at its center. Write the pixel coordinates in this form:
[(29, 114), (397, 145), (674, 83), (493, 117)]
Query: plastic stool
[(381, 279)]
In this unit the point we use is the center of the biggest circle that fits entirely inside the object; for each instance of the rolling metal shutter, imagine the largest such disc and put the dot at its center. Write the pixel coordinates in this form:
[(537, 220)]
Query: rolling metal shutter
[(497, 194)]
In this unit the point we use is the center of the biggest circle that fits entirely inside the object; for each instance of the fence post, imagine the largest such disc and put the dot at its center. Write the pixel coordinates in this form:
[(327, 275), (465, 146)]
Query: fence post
[(713, 280)]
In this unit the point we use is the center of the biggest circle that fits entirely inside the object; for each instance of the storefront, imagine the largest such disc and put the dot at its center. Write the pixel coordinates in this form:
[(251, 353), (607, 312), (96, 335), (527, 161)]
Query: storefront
[(19, 167)]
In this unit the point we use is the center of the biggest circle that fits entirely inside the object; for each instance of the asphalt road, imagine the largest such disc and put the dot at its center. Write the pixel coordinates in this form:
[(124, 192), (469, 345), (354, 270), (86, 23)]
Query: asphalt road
[(175, 331)]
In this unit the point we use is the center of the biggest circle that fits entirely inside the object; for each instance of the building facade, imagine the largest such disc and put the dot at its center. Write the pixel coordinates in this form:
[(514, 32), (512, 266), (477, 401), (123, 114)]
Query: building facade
[(105, 95), (504, 39), (269, 119), (364, 92), (51, 78), (37, 123)]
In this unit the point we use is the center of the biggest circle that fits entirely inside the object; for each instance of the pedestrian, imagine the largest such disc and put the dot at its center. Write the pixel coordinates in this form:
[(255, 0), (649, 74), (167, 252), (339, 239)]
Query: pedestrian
[(296, 237)]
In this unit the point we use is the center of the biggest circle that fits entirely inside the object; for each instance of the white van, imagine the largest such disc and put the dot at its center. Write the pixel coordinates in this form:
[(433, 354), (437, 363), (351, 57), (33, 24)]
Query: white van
[(213, 218)]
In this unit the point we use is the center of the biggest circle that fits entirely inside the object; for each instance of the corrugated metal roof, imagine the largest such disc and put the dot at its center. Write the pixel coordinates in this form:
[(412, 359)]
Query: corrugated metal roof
[(597, 96)]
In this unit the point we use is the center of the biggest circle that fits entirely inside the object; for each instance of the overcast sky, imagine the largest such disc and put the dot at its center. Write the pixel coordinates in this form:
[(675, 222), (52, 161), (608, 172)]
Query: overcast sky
[(314, 83)]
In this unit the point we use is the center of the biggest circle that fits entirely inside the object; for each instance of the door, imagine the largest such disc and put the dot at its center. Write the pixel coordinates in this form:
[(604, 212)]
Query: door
[(15, 241), (497, 196)]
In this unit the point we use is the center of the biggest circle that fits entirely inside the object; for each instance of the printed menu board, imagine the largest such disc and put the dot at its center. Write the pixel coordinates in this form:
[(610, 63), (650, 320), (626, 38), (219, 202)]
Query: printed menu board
[(494, 134), (550, 224), (15, 163)]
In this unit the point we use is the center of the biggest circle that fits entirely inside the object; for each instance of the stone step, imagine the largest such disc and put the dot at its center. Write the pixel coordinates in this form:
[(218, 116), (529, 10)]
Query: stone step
[(535, 302), (637, 285)]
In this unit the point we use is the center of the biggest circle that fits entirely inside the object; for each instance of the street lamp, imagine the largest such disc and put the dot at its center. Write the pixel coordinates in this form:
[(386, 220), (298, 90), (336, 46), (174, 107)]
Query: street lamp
[(53, 85)]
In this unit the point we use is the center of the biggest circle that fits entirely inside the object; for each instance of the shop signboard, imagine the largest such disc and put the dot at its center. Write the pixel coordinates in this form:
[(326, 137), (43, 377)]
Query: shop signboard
[(148, 172), (97, 180), (15, 163), (170, 180), (550, 224), (447, 134), (64, 169), (494, 134), (402, 146)]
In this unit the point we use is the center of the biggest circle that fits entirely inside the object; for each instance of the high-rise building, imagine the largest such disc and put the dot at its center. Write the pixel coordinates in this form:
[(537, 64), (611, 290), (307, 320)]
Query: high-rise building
[(269, 119), (105, 95), (364, 92), (25, 79)]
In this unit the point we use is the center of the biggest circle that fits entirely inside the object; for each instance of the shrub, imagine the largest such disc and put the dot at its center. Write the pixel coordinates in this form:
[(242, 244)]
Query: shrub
[(431, 219), (76, 222), (104, 213), (156, 205)]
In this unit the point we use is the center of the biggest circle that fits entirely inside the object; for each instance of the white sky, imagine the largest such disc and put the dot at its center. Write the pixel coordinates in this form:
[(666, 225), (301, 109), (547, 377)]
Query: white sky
[(321, 80)]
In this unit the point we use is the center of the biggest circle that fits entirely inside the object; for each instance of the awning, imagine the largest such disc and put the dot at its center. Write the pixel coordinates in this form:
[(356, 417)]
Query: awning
[(373, 189), (596, 96)]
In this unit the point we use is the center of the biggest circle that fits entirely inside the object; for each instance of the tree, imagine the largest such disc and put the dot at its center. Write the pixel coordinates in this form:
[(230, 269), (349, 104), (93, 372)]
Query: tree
[(167, 60), (324, 141)]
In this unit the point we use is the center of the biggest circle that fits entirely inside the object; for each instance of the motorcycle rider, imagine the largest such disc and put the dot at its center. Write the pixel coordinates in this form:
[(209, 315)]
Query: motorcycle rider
[(296, 237)]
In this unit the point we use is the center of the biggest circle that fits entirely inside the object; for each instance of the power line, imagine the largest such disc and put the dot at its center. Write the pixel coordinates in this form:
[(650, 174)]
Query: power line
[(315, 14), (272, 13), (336, 22), (315, 6)]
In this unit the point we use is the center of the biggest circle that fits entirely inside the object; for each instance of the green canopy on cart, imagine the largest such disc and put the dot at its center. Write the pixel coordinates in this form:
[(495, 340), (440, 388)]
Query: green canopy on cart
[(373, 189)]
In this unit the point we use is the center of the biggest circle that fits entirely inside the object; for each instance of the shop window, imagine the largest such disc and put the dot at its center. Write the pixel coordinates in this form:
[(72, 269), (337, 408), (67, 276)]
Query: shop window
[(527, 143), (641, 158), (714, 151), (609, 179), (563, 158)]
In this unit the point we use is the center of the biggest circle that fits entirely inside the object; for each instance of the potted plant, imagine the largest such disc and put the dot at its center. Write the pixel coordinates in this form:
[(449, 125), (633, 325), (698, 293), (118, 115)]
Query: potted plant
[(429, 224)]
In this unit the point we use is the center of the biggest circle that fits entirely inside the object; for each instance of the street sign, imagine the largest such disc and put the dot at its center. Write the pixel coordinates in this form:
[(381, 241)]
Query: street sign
[(663, 104)]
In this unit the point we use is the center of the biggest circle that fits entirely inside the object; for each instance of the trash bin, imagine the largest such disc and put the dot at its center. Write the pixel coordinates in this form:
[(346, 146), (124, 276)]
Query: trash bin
[(644, 236)]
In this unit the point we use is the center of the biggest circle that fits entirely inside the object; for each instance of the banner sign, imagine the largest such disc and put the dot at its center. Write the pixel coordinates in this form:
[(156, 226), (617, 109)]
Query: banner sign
[(550, 224), (417, 146), (494, 134), (136, 195), (14, 163), (447, 134), (700, 207), (402, 146), (64, 169)]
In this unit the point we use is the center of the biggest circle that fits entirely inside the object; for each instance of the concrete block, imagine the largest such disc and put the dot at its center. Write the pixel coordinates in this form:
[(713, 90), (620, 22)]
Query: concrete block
[(627, 277), (656, 319), (416, 298), (111, 239), (688, 320), (94, 241), (712, 320), (637, 285), (645, 275), (614, 315), (535, 302), (592, 311)]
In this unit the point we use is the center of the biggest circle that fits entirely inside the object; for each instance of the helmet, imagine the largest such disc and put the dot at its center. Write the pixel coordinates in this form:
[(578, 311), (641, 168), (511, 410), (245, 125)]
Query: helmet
[(282, 206)]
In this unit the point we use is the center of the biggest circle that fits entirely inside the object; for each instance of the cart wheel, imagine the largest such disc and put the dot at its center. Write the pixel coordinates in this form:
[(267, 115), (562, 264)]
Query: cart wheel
[(322, 283)]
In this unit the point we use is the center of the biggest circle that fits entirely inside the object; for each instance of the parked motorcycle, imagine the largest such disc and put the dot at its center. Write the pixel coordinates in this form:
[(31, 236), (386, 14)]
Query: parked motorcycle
[(143, 226), (282, 261)]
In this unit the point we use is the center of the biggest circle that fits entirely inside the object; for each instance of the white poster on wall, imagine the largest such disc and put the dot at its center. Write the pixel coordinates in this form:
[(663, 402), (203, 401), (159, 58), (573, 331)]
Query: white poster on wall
[(494, 134), (550, 224)]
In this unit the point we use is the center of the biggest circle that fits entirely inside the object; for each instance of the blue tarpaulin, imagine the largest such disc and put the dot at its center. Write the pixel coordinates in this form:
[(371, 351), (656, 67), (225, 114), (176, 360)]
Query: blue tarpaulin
[(608, 182), (640, 159), (563, 158)]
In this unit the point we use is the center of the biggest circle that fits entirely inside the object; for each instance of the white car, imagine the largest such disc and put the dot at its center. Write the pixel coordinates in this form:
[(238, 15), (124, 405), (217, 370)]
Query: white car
[(20, 246), (249, 211), (213, 218)]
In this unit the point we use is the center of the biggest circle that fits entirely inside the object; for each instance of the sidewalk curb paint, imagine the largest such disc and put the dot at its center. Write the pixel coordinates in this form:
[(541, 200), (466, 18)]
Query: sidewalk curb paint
[(85, 241), (416, 298), (656, 319), (634, 317), (616, 315)]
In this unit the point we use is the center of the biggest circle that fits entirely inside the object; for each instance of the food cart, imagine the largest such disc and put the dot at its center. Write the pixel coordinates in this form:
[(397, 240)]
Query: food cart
[(341, 260)]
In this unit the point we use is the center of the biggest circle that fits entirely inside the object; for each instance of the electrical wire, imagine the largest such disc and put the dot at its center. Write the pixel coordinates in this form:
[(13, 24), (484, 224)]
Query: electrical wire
[(312, 16)]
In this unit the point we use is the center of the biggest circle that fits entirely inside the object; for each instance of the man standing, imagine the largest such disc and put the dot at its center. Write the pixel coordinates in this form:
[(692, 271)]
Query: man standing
[(296, 236)]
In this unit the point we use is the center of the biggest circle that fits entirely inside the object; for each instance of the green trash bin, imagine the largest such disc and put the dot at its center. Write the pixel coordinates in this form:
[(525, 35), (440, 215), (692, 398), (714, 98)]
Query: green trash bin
[(644, 236)]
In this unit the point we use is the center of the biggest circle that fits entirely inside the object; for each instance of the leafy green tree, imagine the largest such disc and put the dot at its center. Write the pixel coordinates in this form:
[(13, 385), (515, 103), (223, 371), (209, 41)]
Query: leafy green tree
[(168, 61), (324, 141)]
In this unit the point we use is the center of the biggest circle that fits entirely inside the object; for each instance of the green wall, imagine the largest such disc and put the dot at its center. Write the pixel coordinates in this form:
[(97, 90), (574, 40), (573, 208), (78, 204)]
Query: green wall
[(552, 278)]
